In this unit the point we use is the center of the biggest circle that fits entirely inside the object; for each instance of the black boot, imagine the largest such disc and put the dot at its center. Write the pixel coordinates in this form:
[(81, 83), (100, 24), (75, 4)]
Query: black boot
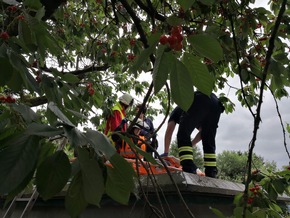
[(211, 172), (188, 166)]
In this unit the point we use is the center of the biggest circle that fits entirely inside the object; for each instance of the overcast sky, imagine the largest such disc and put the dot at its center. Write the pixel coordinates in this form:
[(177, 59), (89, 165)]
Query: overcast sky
[(236, 129)]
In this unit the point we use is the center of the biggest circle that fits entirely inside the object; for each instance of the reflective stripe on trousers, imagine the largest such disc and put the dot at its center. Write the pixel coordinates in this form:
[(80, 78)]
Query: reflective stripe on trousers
[(209, 159), (185, 153)]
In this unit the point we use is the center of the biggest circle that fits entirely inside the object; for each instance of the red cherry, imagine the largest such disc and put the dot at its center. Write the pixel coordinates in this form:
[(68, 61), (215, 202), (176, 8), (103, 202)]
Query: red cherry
[(259, 25), (255, 172), (21, 17), (250, 200), (163, 39), (178, 46), (263, 38), (172, 40), (2, 99), (179, 37), (9, 99), (176, 30), (12, 8), (91, 91), (131, 57), (4, 35), (38, 79), (103, 50), (114, 53), (132, 42), (89, 85)]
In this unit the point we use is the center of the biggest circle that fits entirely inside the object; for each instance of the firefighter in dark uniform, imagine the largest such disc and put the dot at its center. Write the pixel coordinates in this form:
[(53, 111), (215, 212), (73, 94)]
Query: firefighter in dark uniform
[(203, 114)]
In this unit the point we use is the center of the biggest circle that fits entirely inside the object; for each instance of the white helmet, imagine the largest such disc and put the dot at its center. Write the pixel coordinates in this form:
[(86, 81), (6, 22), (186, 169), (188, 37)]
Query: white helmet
[(141, 124), (126, 99)]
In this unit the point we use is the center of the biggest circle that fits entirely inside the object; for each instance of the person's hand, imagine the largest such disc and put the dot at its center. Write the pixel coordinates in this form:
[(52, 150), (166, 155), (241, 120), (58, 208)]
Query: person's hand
[(124, 121), (164, 155)]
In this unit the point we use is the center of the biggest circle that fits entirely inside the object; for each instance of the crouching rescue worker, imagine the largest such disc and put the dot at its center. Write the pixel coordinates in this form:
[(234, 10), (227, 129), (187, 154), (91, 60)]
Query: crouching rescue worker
[(123, 148)]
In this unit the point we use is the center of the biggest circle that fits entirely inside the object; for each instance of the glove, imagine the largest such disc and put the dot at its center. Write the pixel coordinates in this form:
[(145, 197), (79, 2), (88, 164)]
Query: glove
[(164, 155), (124, 121)]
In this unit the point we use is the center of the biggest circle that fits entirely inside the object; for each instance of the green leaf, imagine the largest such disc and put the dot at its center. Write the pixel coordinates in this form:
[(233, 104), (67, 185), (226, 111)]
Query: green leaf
[(279, 185), (6, 71), (238, 211), (51, 90), (207, 46), (19, 188), (26, 36), (35, 4), (162, 68), (75, 137), (277, 209), (272, 192), (92, 176), (44, 39), (142, 58), (70, 78), (153, 39), (120, 183), (18, 62), (53, 107), (207, 2), (40, 13), (199, 74), (77, 114), (277, 69), (52, 175), (75, 201), (7, 132), (185, 4), (100, 142), (174, 21), (26, 112), (181, 85), (217, 212), (18, 158), (42, 130)]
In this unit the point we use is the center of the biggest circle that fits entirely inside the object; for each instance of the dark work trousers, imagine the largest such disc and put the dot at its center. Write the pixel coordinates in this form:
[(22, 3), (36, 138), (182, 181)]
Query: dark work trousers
[(205, 113)]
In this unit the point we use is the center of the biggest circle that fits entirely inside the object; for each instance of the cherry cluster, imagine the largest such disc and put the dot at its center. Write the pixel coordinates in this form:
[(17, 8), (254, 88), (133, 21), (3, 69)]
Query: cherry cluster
[(90, 89), (131, 57), (7, 99), (12, 8), (254, 190), (174, 39)]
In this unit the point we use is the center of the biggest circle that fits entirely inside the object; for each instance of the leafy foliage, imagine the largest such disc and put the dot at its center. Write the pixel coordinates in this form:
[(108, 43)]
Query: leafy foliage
[(232, 165), (63, 64)]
